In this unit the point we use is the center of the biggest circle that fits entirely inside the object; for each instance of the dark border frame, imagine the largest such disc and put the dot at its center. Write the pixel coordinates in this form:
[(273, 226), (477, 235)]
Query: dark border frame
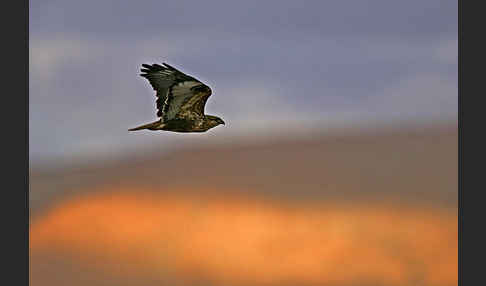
[(15, 140), (460, 143), (471, 182)]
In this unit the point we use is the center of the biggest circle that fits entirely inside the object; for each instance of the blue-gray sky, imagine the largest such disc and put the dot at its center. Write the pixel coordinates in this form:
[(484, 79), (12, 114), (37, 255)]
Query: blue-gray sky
[(269, 63)]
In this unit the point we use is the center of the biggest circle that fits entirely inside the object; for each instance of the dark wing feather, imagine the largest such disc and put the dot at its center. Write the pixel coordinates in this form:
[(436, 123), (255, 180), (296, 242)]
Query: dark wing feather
[(163, 79), (196, 103), (179, 96)]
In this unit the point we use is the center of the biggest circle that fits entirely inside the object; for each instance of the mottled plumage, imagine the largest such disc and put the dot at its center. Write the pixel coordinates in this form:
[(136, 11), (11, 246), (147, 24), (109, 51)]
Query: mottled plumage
[(180, 101)]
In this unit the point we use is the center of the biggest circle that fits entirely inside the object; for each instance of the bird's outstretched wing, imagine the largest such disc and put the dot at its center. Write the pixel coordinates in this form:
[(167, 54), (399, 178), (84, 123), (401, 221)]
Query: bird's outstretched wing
[(178, 95)]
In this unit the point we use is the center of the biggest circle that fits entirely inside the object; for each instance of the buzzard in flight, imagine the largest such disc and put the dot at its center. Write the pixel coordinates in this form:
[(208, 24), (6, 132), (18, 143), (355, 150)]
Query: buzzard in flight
[(180, 101)]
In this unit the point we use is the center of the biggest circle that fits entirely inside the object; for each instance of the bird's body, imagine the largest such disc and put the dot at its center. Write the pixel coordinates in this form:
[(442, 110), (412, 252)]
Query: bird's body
[(180, 101), (200, 124)]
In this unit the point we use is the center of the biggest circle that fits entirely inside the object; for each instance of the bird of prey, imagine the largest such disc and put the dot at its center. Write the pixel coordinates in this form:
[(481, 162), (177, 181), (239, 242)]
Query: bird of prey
[(180, 101)]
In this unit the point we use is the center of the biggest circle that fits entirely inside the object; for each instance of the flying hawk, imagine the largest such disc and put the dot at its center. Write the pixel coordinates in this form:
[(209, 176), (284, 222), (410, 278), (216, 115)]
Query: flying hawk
[(180, 101)]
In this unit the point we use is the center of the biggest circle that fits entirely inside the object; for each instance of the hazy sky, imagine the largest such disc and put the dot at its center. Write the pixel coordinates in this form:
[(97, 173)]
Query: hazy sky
[(269, 63)]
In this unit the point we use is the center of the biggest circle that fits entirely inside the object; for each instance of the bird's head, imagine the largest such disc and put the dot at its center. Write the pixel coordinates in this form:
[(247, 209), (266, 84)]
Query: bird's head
[(214, 120)]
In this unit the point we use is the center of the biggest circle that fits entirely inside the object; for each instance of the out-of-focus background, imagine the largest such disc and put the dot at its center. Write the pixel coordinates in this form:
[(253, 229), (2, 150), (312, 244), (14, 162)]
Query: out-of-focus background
[(337, 164)]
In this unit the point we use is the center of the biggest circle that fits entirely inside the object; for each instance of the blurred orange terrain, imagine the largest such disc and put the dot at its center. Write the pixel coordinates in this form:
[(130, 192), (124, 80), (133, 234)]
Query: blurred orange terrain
[(238, 240)]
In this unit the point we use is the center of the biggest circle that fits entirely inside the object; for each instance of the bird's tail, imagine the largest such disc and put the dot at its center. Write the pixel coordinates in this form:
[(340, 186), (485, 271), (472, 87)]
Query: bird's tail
[(150, 126)]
